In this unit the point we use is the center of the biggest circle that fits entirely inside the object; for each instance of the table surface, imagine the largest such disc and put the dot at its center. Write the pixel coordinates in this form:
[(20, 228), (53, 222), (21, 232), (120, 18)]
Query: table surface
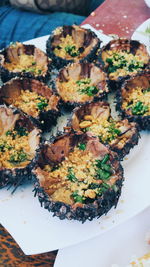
[(119, 17)]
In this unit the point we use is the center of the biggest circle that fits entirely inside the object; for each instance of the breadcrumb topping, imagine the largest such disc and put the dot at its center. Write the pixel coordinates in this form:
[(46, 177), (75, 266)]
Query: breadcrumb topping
[(79, 177), (137, 101), (31, 103)]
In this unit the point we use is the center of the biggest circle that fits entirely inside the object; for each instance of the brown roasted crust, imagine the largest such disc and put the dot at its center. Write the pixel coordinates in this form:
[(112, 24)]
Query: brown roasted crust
[(78, 211), (12, 89), (12, 52), (143, 80), (125, 45), (9, 118), (88, 40), (78, 71), (102, 111)]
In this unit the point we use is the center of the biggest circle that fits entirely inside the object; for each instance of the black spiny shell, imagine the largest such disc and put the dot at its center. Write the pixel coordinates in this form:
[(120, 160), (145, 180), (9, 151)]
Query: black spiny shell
[(88, 41), (12, 89), (11, 55), (141, 80), (56, 152), (100, 112), (9, 119), (80, 73), (129, 47)]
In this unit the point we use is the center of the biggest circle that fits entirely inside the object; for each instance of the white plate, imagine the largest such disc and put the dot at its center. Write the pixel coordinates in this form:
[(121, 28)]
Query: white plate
[(37, 231), (118, 246), (141, 35)]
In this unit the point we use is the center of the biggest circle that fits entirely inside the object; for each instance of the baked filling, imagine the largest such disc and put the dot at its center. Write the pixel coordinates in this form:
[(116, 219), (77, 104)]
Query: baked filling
[(80, 178), (123, 63), (67, 48), (81, 90), (25, 63), (137, 101), (31, 103), (108, 131), (15, 150)]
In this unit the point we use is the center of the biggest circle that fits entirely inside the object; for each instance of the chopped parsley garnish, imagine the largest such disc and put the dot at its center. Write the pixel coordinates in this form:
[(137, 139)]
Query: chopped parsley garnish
[(102, 189), (84, 88), (39, 71), (111, 134), (71, 176), (9, 133), (90, 90), (21, 131), (139, 108), (54, 168), (118, 61), (146, 90), (93, 186), (18, 157), (42, 104), (83, 81), (82, 146), (113, 131), (72, 50), (2, 147), (87, 129), (103, 169), (77, 197)]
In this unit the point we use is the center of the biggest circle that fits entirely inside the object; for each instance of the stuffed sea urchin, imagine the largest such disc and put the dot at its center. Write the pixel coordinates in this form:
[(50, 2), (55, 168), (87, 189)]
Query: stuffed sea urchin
[(133, 100), (19, 146), (70, 44), (78, 177), (95, 118), (81, 83), (24, 61), (123, 58), (34, 98)]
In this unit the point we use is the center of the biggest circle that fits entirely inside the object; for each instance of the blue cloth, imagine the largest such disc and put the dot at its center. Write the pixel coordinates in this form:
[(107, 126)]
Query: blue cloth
[(19, 25)]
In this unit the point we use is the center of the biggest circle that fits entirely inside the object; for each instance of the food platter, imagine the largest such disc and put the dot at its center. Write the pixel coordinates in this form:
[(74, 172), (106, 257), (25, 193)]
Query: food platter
[(132, 235), (37, 231)]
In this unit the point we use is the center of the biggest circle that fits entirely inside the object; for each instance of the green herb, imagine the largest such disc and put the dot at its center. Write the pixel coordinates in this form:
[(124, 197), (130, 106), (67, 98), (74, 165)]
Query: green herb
[(39, 71), (72, 50), (2, 147), (77, 197), (33, 63), (103, 188), (119, 62), (83, 81), (87, 129), (105, 159), (54, 168), (134, 65), (42, 104), (146, 90), (103, 169), (21, 131), (90, 90), (71, 176), (9, 133), (82, 146), (139, 108), (30, 69), (102, 175), (18, 157), (93, 186)]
